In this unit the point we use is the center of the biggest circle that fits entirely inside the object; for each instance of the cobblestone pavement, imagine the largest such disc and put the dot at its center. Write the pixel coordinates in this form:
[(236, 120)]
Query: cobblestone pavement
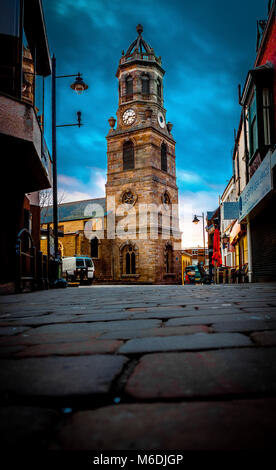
[(139, 367)]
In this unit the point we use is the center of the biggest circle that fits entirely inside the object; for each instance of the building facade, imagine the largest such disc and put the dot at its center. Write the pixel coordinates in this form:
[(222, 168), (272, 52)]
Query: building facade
[(27, 166), (253, 233), (139, 234)]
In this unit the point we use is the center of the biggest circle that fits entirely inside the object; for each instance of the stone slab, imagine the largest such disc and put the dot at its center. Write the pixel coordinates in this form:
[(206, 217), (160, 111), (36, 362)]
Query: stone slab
[(72, 349), (170, 331), (204, 374), (37, 321), (197, 341), (8, 351), (264, 338), (11, 330), (185, 312), (59, 376), (93, 327), (47, 338), (244, 326), (235, 425), (27, 428), (199, 319)]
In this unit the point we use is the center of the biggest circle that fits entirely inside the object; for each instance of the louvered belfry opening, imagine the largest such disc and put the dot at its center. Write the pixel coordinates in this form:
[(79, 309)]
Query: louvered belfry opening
[(129, 85), (128, 155), (164, 157), (145, 84)]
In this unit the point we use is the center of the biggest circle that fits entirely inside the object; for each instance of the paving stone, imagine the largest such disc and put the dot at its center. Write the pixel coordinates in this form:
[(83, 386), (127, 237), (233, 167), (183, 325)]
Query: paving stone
[(59, 376), (170, 331), (8, 351), (204, 374), (265, 338), (244, 326), (40, 320), (102, 317), (26, 428), (199, 319), (47, 338), (11, 330), (197, 341), (235, 425), (93, 327), (71, 349)]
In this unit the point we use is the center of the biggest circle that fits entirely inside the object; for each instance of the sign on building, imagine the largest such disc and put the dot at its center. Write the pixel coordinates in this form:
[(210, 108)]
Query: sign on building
[(257, 188), (230, 210)]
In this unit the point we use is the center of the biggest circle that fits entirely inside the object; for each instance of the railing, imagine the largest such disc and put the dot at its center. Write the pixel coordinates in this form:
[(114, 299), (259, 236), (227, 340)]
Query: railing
[(25, 260), (231, 275), (32, 267)]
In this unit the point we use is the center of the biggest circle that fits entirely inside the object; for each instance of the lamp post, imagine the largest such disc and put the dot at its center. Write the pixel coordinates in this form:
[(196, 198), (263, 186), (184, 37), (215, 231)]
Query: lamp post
[(196, 221), (79, 86)]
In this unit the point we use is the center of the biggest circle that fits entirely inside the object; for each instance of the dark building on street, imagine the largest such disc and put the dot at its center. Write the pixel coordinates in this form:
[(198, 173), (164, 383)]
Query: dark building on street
[(26, 163)]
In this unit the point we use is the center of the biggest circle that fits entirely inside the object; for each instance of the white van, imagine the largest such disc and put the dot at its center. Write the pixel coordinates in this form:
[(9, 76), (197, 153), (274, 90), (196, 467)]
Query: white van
[(78, 268)]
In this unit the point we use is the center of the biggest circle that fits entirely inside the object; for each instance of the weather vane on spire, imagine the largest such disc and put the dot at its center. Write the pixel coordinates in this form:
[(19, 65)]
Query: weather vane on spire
[(139, 29)]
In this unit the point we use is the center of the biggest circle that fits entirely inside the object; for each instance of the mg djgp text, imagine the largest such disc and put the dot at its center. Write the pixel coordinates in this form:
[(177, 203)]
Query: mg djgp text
[(159, 459)]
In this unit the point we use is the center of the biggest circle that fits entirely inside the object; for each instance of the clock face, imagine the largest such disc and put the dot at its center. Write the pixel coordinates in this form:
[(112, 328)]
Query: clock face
[(161, 120), (129, 116)]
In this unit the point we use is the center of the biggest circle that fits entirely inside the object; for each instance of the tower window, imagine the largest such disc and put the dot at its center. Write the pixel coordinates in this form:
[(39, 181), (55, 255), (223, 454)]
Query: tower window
[(145, 84), (129, 85), (164, 157), (159, 88), (128, 155)]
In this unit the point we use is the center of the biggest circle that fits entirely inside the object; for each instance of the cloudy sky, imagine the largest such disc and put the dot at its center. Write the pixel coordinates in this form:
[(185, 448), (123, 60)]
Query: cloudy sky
[(207, 47)]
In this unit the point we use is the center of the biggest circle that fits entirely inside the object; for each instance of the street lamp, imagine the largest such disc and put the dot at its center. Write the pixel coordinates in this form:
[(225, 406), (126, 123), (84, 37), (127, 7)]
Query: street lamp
[(196, 221), (79, 86)]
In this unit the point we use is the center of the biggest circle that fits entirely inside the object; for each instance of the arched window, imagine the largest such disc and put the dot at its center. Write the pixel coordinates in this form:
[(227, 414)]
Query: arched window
[(128, 155), (129, 85), (168, 259), (94, 248), (129, 261), (145, 84), (159, 88), (164, 157)]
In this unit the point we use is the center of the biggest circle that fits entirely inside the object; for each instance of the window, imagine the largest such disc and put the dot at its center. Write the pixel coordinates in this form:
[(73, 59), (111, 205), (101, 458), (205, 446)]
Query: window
[(266, 116), (168, 259), (159, 88), (80, 263), (253, 129), (164, 157), (129, 260), (259, 101), (128, 198), (128, 155), (145, 84), (94, 248), (129, 85)]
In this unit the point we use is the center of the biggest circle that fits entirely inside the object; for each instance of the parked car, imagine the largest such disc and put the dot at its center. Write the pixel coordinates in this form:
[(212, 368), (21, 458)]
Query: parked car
[(193, 274), (78, 268)]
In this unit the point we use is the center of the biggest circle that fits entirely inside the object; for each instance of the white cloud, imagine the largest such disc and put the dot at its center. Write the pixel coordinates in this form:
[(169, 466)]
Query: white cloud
[(72, 189), (187, 176), (191, 203)]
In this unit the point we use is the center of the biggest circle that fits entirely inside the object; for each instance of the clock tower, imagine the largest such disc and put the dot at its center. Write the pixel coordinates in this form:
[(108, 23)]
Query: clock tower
[(141, 173)]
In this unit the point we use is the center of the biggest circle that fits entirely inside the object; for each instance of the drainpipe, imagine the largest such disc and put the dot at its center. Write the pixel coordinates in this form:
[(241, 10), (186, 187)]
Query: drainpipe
[(249, 252)]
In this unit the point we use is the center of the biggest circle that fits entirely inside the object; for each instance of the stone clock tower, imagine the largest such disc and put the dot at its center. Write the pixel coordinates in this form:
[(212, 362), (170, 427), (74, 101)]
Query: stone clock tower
[(141, 174)]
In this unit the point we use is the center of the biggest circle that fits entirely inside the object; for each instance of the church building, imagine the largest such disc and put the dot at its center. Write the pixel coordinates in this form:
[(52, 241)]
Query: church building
[(135, 232)]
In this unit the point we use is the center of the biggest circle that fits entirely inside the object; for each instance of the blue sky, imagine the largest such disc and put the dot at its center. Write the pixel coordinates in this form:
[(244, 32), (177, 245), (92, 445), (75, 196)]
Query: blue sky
[(207, 47)]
